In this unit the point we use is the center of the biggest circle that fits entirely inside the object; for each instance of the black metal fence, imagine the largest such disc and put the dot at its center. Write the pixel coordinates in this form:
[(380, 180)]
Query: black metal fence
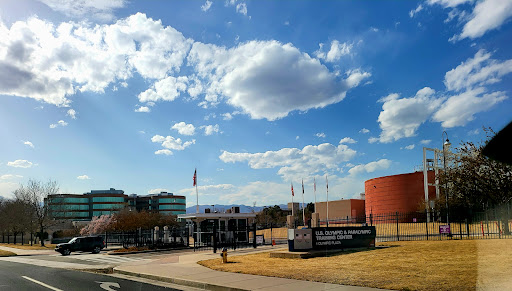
[(152, 238), (431, 225), (208, 235)]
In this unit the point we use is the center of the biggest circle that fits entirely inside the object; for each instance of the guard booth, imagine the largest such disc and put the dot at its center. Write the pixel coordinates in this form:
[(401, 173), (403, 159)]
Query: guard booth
[(219, 230)]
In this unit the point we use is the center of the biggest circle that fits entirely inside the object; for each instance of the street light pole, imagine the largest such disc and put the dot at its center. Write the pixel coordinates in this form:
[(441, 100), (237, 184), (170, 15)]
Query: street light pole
[(446, 144)]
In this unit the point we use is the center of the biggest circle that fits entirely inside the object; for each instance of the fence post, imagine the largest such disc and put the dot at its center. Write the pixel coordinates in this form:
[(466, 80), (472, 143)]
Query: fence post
[(371, 219), (467, 226), (215, 236), (460, 229), (426, 222), (397, 230), (22, 242), (254, 235)]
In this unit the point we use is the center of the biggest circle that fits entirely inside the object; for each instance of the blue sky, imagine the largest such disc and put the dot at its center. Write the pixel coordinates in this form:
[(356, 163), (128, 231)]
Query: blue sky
[(254, 94)]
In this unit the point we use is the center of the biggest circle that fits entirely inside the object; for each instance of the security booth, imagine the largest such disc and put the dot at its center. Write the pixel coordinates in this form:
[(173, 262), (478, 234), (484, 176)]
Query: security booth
[(218, 230)]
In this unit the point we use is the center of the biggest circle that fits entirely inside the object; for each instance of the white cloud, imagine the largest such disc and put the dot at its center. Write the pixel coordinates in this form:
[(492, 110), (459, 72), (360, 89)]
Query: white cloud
[(142, 109), (409, 147), (71, 113), (336, 51), (20, 164), (49, 62), (425, 141), (297, 137), (157, 191), (294, 162), (210, 129), (477, 71), (166, 89), (164, 152), (227, 116), (460, 109), (487, 15), (320, 135), (184, 128), (171, 143), (28, 143), (347, 140), (83, 177), (245, 76), (415, 11), (364, 130), (206, 6), (370, 167), (401, 117), (61, 123), (476, 131), (98, 9), (241, 8), (10, 177), (373, 139)]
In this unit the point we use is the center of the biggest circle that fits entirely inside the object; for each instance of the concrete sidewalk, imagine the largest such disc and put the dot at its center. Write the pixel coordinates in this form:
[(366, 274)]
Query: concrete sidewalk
[(183, 269)]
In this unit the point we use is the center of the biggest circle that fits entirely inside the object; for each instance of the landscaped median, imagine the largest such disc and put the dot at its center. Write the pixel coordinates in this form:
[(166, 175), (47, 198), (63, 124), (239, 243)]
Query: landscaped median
[(29, 247), (414, 265)]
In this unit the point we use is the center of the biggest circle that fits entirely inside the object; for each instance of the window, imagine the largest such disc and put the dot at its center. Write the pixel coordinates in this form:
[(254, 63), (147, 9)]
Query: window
[(107, 206), (107, 199), (180, 207)]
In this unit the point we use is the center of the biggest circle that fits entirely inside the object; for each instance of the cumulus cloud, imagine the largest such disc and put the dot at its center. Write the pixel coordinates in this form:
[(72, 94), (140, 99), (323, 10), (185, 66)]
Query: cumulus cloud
[(206, 6), (157, 191), (20, 164), (267, 79), (50, 62), (28, 143), (294, 162), (401, 117), (98, 9), (336, 51), (210, 129), (460, 109), (166, 89), (370, 167), (71, 113), (83, 177), (61, 123), (425, 141), (227, 116), (241, 8), (170, 143), (320, 135), (142, 109), (477, 71), (409, 147), (347, 140), (364, 130), (487, 15), (184, 128)]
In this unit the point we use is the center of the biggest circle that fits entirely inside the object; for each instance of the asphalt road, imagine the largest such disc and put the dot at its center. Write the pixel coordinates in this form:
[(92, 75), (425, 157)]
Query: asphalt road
[(15, 276)]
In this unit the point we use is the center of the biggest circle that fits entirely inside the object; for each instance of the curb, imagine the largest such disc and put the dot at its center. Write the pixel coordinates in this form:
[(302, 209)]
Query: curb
[(184, 282), (112, 253)]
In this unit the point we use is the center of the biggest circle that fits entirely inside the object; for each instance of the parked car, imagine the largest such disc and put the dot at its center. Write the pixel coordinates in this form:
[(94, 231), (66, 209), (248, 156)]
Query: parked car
[(92, 244)]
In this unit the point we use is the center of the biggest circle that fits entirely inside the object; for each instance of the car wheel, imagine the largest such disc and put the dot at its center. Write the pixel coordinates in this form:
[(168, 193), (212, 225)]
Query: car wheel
[(66, 252), (96, 250)]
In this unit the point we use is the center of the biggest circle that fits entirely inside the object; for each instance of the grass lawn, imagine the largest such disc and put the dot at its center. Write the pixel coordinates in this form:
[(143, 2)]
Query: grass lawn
[(28, 247), (6, 253), (414, 265)]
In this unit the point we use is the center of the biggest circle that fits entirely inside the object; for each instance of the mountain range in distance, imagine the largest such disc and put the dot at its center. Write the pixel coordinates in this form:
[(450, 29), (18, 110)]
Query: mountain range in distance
[(223, 208)]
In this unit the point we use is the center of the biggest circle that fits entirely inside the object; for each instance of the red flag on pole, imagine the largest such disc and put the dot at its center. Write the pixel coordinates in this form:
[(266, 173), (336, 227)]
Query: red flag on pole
[(195, 177), (293, 194)]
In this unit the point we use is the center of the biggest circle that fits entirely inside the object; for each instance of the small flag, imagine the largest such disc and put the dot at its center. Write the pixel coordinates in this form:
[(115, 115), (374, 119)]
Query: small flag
[(303, 186), (326, 182), (293, 194), (195, 177)]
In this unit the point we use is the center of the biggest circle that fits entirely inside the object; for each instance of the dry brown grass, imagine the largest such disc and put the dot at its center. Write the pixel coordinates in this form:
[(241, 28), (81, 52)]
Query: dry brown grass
[(414, 265), (29, 247), (6, 253)]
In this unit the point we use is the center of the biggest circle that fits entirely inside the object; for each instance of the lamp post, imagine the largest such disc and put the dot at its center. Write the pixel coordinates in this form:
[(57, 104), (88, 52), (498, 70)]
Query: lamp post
[(446, 144)]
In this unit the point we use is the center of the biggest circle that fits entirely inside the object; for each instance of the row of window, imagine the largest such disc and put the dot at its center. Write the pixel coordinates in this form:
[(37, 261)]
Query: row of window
[(67, 207), (107, 199), (171, 200), (107, 206), (171, 206), (71, 214), (58, 200)]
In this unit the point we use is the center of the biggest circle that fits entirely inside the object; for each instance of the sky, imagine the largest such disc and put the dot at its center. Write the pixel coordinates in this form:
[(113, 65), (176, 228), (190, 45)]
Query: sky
[(256, 95)]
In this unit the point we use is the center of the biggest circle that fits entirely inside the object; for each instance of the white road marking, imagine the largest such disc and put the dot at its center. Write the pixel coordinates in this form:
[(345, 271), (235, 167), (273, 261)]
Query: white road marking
[(42, 284), (107, 285)]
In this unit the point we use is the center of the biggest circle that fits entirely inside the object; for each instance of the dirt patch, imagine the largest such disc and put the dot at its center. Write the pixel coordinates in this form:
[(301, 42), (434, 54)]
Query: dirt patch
[(29, 247), (6, 253)]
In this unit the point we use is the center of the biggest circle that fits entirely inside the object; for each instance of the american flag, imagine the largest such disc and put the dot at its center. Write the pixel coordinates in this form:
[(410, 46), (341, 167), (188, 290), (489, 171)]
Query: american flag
[(195, 177)]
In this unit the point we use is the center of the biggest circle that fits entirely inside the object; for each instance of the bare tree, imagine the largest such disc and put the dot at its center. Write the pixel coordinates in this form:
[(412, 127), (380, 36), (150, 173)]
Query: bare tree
[(35, 194)]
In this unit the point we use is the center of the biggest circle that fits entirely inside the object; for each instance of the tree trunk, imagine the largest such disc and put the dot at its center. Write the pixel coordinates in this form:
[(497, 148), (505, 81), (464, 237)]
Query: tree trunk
[(42, 236)]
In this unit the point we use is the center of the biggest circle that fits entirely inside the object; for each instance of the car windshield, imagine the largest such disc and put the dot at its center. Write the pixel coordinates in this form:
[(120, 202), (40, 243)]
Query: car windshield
[(72, 240)]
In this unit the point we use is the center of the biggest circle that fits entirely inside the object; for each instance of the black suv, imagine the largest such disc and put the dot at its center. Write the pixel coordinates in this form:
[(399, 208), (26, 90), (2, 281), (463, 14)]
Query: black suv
[(92, 244)]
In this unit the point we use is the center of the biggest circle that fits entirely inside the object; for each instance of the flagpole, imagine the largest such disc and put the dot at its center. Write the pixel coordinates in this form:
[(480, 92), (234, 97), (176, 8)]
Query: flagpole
[(314, 190), (327, 185), (303, 211), (292, 201), (197, 194)]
